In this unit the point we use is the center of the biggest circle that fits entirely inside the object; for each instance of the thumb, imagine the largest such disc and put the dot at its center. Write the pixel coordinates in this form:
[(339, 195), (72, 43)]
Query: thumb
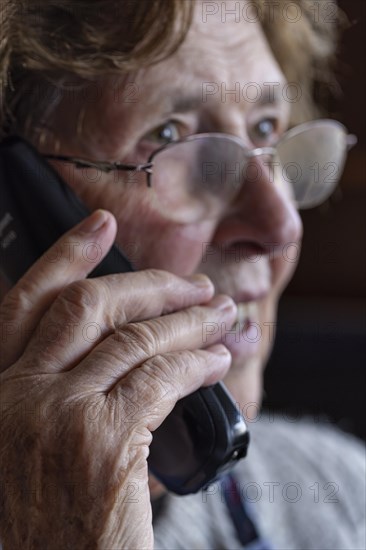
[(71, 258)]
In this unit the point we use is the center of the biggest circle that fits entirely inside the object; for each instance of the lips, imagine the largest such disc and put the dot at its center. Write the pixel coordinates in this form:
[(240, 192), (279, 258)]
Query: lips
[(243, 339)]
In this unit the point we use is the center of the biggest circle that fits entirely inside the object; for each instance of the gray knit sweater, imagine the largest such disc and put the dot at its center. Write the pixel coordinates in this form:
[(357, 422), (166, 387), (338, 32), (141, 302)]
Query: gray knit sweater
[(305, 484)]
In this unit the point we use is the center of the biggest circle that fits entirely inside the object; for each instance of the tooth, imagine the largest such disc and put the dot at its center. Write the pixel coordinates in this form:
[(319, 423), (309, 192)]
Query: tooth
[(242, 313), (247, 310), (252, 309)]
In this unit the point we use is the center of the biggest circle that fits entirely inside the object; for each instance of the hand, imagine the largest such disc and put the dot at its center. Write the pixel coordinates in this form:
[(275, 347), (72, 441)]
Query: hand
[(91, 367)]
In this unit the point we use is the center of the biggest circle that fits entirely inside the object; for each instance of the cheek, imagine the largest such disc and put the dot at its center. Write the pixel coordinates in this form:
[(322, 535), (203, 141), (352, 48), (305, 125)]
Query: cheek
[(144, 236), (155, 243), (282, 271)]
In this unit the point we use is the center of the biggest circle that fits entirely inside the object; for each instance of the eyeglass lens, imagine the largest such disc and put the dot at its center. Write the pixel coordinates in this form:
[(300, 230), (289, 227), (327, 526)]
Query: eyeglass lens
[(195, 178)]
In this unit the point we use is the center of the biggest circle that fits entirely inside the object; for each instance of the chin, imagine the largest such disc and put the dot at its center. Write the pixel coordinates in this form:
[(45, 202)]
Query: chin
[(245, 383)]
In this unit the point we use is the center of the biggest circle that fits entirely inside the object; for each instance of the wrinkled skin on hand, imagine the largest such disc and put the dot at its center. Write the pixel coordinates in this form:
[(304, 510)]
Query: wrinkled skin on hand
[(90, 369)]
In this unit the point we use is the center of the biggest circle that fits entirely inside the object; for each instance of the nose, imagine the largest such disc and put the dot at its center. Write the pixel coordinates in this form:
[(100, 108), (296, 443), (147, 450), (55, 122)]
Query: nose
[(263, 216)]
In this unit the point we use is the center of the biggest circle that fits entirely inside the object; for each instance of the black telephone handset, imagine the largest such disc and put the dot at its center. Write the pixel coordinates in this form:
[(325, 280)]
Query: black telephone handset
[(205, 433)]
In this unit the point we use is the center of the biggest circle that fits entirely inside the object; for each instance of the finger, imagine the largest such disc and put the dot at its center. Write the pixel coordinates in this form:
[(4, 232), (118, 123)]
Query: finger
[(90, 310), (152, 390), (186, 329), (66, 261), (135, 343)]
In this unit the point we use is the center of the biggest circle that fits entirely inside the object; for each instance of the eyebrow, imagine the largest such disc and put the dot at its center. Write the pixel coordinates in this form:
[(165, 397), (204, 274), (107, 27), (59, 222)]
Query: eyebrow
[(183, 104), (271, 96)]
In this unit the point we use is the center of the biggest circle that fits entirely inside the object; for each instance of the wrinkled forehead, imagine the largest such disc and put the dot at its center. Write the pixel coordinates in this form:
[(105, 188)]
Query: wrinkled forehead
[(222, 53)]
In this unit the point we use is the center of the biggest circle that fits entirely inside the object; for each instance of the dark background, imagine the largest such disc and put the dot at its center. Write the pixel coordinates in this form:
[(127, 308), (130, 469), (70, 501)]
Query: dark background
[(319, 358)]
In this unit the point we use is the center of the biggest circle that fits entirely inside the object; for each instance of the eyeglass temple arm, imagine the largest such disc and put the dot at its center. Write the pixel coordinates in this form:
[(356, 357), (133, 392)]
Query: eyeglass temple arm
[(104, 166)]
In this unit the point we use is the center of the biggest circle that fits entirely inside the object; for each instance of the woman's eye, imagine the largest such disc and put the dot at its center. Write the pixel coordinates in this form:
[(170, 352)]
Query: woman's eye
[(165, 133), (265, 131)]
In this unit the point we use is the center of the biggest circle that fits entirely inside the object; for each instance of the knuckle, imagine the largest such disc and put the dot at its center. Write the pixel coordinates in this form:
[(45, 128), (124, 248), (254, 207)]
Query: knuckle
[(19, 298), (171, 369), (157, 375), (81, 297), (189, 321), (186, 362), (141, 335), (146, 388), (159, 277), (193, 315), (201, 315)]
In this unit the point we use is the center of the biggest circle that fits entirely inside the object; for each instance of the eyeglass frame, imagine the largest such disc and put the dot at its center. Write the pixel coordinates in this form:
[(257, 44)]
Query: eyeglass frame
[(107, 167)]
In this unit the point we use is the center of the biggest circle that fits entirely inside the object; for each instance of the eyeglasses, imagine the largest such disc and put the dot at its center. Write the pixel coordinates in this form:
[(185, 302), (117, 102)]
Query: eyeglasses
[(194, 178)]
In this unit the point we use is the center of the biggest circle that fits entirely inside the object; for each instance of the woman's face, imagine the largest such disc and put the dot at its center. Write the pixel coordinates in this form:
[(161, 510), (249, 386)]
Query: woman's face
[(250, 249)]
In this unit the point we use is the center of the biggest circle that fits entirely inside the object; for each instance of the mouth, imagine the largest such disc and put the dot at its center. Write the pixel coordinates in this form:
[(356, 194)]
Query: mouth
[(243, 339), (247, 312)]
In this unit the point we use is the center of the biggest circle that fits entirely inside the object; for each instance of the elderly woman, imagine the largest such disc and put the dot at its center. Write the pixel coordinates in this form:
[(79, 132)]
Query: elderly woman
[(212, 240)]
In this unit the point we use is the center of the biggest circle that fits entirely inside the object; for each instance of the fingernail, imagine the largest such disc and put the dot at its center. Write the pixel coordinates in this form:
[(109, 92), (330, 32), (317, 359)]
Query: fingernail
[(222, 302), (94, 222), (220, 349), (201, 281)]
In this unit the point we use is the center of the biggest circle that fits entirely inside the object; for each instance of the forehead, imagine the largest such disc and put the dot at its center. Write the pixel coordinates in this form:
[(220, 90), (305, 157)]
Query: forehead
[(221, 52)]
